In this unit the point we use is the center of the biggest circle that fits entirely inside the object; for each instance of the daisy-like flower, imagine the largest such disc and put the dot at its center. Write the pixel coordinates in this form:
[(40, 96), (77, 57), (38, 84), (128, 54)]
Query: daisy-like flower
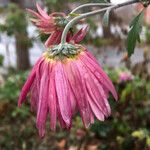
[(65, 82), (53, 25), (49, 24)]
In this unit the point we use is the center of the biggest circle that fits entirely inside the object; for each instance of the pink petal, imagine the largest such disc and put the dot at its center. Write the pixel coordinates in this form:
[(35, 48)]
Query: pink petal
[(62, 93), (78, 88), (71, 86), (99, 73), (39, 72), (54, 38), (45, 24), (43, 104), (61, 121), (34, 96), (42, 12), (97, 94), (79, 36), (35, 14), (28, 84), (97, 107), (52, 100)]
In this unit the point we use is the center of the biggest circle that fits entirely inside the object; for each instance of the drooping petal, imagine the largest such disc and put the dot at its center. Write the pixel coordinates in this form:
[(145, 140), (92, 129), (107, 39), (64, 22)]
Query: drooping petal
[(99, 73), (71, 85), (97, 94), (34, 96), (90, 97), (61, 121), (79, 36), (28, 84), (52, 99), (62, 93), (78, 89), (39, 72), (43, 101), (54, 38), (26, 88)]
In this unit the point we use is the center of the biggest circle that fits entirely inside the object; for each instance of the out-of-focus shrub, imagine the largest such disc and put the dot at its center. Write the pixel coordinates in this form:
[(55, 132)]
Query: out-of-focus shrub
[(147, 34), (1, 60)]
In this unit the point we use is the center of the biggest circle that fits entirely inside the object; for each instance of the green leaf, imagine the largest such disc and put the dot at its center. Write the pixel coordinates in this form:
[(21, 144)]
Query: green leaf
[(106, 18), (134, 33)]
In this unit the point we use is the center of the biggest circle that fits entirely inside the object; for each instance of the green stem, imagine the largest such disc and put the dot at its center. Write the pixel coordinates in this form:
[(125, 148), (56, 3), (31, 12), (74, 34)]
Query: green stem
[(85, 15), (91, 5)]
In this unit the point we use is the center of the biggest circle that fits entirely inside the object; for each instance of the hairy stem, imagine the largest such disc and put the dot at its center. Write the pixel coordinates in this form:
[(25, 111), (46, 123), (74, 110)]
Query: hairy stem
[(85, 15)]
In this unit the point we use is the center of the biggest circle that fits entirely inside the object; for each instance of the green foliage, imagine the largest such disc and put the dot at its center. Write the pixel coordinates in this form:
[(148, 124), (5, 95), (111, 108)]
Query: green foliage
[(1, 60), (147, 34), (15, 21), (134, 33), (11, 89), (16, 25)]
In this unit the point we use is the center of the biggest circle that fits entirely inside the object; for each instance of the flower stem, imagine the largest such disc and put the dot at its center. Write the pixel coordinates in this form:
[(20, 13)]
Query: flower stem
[(85, 15), (91, 5)]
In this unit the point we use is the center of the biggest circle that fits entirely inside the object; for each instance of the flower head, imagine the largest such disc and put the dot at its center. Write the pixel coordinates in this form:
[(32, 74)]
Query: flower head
[(49, 24), (53, 25), (125, 76), (64, 81)]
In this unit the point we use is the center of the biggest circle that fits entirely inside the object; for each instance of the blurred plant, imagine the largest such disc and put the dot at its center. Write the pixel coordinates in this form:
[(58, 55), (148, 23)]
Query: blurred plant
[(140, 134), (16, 25), (1, 60), (125, 76), (13, 83), (148, 142), (147, 33)]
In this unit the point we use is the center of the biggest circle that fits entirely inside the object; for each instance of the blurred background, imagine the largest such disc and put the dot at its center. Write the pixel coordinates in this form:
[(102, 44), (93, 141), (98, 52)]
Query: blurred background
[(21, 45)]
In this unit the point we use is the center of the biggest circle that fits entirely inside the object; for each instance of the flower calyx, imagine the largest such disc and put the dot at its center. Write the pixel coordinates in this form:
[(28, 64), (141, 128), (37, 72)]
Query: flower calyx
[(64, 50)]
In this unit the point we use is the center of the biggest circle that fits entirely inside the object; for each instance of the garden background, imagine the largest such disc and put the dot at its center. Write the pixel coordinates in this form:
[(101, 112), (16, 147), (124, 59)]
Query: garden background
[(21, 44)]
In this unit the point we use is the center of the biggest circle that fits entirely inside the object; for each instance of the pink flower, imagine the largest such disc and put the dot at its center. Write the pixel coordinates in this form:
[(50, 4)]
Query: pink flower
[(62, 85), (48, 24), (66, 79), (53, 24), (125, 76)]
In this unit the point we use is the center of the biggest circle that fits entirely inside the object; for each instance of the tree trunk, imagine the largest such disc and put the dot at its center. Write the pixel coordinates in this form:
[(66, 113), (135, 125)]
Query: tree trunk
[(22, 45), (23, 62)]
